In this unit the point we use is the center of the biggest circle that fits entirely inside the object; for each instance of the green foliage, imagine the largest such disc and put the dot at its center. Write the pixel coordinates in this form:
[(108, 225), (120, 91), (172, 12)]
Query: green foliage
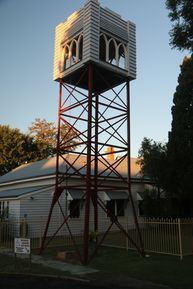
[(152, 160), (17, 148), (45, 133), (181, 15), (150, 205), (166, 207), (180, 145), (171, 167)]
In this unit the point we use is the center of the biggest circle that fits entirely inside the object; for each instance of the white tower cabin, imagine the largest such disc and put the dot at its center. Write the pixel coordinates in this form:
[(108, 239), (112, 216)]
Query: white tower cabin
[(98, 35)]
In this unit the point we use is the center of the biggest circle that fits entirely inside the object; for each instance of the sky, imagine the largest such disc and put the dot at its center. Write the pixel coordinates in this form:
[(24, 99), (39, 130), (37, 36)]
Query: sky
[(27, 90)]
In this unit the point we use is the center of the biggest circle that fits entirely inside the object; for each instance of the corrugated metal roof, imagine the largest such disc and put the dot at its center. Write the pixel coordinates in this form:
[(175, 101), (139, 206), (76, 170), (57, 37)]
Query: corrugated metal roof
[(31, 170), (47, 167), (19, 192)]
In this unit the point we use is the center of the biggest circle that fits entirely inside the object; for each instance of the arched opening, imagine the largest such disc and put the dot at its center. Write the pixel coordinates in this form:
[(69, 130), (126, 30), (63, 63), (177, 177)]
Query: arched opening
[(73, 52), (80, 48), (66, 57), (103, 47), (112, 51), (122, 56)]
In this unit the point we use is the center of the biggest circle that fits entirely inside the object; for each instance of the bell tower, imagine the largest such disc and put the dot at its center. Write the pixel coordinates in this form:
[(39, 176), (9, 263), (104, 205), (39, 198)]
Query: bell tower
[(94, 62), (98, 35)]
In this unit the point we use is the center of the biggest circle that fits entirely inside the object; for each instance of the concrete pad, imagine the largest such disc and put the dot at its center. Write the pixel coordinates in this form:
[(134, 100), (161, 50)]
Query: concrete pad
[(63, 266)]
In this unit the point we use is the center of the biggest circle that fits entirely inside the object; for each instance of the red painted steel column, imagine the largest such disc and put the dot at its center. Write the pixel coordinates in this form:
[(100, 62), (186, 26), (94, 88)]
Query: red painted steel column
[(88, 168), (95, 197), (56, 192), (58, 135), (129, 167)]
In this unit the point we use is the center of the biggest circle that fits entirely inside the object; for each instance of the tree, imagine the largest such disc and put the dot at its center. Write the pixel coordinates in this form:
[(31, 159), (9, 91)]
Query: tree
[(181, 14), (152, 160), (45, 133), (180, 144), (17, 148)]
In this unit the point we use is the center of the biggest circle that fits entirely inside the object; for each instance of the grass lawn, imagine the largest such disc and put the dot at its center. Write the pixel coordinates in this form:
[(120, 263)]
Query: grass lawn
[(157, 268), (8, 265), (118, 264), (162, 269)]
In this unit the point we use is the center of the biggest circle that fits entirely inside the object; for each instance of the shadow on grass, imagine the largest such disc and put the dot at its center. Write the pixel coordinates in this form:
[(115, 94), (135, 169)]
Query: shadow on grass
[(162, 269), (120, 264)]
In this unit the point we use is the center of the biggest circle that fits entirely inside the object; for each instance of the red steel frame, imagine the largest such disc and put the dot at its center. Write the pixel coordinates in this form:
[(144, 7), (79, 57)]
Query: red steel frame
[(93, 180)]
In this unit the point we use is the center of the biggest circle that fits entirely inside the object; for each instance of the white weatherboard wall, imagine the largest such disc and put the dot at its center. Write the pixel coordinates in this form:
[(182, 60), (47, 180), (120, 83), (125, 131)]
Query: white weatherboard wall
[(91, 31), (57, 51), (65, 32), (37, 204), (14, 209), (132, 49), (36, 207), (112, 23)]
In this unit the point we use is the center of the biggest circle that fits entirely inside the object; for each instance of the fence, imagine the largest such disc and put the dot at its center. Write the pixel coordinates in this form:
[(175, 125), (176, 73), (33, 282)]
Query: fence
[(34, 229), (166, 236)]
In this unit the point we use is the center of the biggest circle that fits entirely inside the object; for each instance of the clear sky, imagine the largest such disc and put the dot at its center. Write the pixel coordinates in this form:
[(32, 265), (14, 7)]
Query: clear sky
[(27, 90)]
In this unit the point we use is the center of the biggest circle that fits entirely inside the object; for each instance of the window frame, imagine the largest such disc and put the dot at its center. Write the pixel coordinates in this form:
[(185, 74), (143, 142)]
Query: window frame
[(4, 209), (74, 210), (113, 206)]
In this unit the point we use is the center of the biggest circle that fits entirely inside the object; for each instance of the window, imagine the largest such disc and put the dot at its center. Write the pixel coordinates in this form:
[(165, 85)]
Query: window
[(103, 47), (80, 48), (120, 208), (141, 211), (4, 209), (112, 52), (116, 208), (74, 208), (110, 208), (72, 52), (121, 55), (66, 57)]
